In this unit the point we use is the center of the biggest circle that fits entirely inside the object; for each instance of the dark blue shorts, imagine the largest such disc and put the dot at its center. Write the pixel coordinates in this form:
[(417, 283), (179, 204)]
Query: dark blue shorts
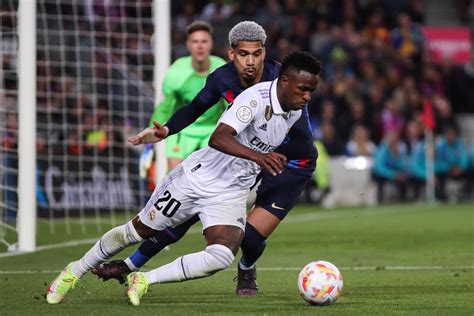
[(279, 194)]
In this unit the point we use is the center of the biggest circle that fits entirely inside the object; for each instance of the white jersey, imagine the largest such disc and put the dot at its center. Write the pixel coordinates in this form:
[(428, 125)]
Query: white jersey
[(260, 123)]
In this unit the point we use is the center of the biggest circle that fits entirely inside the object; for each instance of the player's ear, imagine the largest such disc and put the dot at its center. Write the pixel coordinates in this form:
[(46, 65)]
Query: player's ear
[(284, 80), (188, 43), (230, 53)]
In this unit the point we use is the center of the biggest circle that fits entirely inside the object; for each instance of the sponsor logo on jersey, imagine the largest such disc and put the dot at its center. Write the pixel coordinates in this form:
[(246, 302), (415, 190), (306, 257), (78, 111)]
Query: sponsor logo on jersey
[(244, 114), (268, 112), (259, 145), (263, 127)]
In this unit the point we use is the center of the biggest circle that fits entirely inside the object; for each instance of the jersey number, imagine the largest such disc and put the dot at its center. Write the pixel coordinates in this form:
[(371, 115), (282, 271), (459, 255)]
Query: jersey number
[(171, 206)]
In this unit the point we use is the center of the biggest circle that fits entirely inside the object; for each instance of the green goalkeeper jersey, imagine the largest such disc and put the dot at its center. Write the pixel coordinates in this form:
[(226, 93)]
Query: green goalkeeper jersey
[(180, 86)]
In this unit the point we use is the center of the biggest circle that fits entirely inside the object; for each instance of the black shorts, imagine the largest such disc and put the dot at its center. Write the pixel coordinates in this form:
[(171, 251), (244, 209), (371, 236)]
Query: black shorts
[(279, 194)]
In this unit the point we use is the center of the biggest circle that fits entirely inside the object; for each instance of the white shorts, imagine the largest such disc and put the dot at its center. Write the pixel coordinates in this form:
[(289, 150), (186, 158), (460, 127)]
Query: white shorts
[(174, 201)]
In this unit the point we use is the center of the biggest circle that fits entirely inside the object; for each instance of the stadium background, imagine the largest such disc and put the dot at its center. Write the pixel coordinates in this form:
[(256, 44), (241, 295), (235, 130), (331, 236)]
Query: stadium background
[(95, 88)]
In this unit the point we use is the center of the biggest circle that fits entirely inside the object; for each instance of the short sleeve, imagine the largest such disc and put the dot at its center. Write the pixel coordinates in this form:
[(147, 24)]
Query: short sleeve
[(242, 111)]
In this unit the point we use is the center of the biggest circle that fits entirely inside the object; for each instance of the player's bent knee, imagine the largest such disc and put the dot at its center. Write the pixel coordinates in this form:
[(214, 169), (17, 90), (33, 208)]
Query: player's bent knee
[(142, 230), (219, 257)]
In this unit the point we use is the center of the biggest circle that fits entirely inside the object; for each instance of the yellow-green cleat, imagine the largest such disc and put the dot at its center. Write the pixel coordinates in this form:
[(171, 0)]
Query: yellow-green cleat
[(137, 287), (65, 281)]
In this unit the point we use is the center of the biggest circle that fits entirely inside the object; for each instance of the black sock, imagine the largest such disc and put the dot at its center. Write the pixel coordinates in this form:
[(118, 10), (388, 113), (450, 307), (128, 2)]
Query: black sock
[(252, 246)]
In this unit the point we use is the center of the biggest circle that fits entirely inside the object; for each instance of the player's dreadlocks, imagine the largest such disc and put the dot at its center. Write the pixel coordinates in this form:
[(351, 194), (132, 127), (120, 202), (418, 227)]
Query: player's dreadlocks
[(246, 31)]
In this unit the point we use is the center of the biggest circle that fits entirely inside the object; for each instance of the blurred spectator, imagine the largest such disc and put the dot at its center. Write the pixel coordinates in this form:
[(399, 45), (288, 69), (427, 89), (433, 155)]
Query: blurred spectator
[(431, 83), (338, 70), (216, 11), (416, 10), (470, 175), (407, 37), (320, 37), (376, 30), (443, 115), (331, 140), (417, 167), (413, 134), (461, 91), (321, 112), (391, 166), (360, 144), (451, 158), (357, 116), (391, 119)]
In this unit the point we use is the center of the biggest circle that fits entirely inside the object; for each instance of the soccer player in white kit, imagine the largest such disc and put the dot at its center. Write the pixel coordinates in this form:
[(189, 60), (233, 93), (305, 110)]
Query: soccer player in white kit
[(213, 182)]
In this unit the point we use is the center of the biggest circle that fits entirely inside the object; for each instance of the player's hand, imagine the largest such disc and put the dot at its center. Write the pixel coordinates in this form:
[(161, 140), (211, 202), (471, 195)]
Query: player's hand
[(272, 162), (150, 135)]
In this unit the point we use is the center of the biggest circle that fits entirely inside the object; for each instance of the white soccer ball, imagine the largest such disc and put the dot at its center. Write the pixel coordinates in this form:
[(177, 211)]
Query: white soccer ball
[(320, 283)]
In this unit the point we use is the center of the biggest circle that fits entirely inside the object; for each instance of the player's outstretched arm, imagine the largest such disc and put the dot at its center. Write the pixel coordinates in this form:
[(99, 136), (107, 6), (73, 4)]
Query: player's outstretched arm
[(223, 140), (150, 135)]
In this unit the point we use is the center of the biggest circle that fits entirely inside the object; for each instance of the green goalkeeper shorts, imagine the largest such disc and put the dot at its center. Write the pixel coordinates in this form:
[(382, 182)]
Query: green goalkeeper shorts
[(182, 144)]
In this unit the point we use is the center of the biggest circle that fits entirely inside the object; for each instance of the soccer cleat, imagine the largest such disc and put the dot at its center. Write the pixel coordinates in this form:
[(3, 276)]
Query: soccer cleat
[(246, 282), (137, 287), (65, 281), (116, 269)]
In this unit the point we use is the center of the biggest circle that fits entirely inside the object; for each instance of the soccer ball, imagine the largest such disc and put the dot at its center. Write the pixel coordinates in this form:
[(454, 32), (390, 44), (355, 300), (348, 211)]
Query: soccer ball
[(320, 283)]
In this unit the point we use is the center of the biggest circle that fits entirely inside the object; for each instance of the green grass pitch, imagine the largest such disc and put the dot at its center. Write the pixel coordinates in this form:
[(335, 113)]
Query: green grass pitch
[(395, 260)]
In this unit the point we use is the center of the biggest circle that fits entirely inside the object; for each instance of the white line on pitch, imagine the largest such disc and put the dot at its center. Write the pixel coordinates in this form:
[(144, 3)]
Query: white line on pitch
[(368, 268)]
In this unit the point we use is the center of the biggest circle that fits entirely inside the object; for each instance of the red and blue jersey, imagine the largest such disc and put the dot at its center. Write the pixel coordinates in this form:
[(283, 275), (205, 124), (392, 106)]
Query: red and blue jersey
[(225, 83)]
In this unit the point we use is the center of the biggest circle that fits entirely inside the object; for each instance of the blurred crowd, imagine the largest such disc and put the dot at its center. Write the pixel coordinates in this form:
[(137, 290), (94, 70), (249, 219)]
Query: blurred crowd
[(376, 82)]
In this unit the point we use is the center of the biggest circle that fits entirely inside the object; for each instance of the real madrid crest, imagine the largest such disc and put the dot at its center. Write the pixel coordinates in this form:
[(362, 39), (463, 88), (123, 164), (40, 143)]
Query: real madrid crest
[(268, 112), (151, 215)]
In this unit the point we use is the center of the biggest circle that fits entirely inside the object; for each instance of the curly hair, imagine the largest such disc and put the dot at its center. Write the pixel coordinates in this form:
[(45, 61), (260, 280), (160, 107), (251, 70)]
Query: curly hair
[(246, 31), (301, 60)]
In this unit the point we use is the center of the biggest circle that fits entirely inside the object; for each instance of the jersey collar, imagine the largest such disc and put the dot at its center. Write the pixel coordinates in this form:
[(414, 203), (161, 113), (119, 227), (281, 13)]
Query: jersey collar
[(275, 104)]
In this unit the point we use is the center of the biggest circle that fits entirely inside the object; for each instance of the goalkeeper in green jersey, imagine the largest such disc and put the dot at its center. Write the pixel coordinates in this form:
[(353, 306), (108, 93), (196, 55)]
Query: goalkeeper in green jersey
[(183, 80)]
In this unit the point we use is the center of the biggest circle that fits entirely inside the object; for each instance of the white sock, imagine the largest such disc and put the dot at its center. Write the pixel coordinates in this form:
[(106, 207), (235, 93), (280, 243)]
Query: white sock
[(193, 266), (244, 267), (111, 243)]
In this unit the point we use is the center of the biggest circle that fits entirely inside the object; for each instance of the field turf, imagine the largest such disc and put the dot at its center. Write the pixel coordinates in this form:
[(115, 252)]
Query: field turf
[(395, 260)]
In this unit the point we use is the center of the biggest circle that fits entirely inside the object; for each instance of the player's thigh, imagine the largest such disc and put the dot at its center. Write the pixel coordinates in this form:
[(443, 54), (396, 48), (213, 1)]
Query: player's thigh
[(171, 203), (225, 209), (279, 194), (226, 235)]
